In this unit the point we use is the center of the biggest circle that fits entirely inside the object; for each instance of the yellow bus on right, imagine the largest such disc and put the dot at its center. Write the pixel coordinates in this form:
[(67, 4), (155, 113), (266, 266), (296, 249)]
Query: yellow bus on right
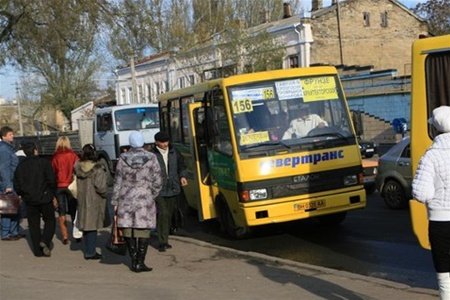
[(430, 89)]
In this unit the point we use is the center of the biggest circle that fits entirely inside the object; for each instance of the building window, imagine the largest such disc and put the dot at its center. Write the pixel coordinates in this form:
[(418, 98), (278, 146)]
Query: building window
[(130, 95), (366, 19), (181, 82), (123, 96), (293, 61), (141, 94), (191, 79), (166, 86), (149, 92), (384, 19), (157, 88)]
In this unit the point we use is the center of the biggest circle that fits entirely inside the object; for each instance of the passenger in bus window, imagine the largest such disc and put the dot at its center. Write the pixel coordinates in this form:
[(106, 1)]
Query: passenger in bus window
[(147, 122), (306, 122), (281, 122), (431, 186)]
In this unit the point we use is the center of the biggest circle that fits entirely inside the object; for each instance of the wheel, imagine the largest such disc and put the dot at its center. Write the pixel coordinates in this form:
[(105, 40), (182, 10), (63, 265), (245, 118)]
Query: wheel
[(332, 219), (394, 195), (228, 225), (109, 176)]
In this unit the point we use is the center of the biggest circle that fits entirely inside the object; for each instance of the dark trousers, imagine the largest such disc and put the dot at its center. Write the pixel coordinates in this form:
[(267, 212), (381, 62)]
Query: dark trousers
[(66, 203), (90, 242), (164, 206), (34, 213), (439, 234)]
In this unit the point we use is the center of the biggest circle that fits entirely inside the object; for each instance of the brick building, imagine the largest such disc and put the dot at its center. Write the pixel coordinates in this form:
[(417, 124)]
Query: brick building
[(364, 32)]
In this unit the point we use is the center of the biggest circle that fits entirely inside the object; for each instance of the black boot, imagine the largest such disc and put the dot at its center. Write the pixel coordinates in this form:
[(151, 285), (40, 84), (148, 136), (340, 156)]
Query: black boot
[(141, 253), (132, 251)]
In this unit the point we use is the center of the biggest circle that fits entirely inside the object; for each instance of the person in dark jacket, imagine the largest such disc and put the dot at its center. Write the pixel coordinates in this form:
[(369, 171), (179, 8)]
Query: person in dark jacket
[(173, 170), (8, 164), (35, 181)]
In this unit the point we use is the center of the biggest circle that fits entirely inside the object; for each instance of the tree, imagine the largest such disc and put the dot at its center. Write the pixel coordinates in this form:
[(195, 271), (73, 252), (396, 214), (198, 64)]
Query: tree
[(55, 40), (154, 26), (437, 13)]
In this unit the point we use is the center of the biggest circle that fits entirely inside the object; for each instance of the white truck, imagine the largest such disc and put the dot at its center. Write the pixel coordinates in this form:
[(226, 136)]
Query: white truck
[(108, 129)]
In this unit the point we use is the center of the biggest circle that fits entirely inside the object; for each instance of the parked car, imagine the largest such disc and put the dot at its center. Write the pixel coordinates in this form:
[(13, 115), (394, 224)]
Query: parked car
[(367, 148), (394, 175), (370, 170)]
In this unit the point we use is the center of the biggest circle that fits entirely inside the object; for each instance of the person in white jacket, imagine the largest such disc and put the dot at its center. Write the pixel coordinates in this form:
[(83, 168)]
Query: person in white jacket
[(431, 186)]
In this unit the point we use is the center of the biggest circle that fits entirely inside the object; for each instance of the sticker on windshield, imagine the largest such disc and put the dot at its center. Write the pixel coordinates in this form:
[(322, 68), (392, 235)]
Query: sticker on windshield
[(254, 137), (319, 88), (242, 106), (289, 89), (265, 93)]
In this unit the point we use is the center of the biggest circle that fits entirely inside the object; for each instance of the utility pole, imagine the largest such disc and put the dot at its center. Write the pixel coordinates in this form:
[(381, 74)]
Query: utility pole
[(133, 80), (338, 14), (19, 110)]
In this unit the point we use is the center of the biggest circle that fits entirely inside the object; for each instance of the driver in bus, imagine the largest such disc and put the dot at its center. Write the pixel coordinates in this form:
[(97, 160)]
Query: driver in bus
[(305, 123)]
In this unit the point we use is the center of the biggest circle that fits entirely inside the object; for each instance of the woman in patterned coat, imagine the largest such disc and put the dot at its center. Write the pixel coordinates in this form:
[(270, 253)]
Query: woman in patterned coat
[(137, 183)]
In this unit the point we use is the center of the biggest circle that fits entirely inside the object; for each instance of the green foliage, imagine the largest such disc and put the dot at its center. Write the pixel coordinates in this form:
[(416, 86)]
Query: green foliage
[(437, 14), (55, 40)]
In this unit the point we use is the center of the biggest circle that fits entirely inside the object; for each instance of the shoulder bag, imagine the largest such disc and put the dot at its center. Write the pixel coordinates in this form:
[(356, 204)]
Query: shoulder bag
[(73, 186), (116, 242), (9, 204)]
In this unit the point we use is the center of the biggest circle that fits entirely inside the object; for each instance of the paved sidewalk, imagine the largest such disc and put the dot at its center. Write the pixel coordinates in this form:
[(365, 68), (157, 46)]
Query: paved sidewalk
[(191, 270)]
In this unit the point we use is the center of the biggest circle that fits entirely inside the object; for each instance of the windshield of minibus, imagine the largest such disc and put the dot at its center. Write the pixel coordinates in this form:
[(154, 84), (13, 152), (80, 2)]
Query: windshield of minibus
[(137, 118), (289, 112)]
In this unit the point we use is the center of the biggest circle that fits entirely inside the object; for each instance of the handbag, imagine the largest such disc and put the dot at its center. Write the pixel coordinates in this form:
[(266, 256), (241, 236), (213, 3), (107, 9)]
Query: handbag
[(76, 233), (9, 204), (116, 243), (73, 186)]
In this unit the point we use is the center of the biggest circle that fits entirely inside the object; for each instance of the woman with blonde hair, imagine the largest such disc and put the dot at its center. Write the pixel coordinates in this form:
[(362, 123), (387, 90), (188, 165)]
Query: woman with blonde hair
[(63, 161)]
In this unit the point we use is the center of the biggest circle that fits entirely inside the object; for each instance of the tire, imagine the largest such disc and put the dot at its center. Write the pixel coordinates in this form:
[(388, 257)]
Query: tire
[(394, 195), (228, 225), (332, 219), (109, 176), (369, 155)]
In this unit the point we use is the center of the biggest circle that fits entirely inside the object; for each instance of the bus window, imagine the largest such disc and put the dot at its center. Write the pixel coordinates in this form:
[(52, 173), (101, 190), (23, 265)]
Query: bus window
[(222, 137), (437, 69), (267, 112), (104, 122), (174, 120), (137, 118), (185, 118)]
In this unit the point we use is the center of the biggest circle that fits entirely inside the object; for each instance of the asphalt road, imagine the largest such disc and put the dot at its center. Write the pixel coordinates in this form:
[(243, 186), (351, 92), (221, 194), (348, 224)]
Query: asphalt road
[(375, 241)]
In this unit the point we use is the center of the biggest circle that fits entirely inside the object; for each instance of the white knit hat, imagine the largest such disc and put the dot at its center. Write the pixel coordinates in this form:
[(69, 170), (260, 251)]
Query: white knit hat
[(136, 139), (441, 118)]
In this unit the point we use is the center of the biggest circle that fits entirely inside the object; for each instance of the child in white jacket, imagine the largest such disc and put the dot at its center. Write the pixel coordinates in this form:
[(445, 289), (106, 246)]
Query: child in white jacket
[(431, 185)]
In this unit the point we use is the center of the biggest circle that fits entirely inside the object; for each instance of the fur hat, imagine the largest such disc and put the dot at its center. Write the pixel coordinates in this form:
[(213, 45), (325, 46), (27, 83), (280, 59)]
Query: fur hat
[(441, 118), (136, 139), (162, 136)]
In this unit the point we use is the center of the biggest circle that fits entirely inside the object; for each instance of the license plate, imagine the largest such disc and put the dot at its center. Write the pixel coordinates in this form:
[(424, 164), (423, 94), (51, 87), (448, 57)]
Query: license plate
[(369, 150), (368, 179), (309, 205)]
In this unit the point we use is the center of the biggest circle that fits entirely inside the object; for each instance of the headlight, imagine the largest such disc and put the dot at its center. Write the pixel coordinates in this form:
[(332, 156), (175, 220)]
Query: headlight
[(258, 194), (350, 180)]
